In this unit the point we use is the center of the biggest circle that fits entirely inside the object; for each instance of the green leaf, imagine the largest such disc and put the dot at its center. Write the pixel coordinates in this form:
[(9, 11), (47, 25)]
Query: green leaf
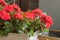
[(42, 24), (3, 33), (1, 8), (6, 23), (25, 26), (12, 13), (46, 30), (37, 20), (31, 33), (36, 27), (8, 26), (27, 21), (20, 32)]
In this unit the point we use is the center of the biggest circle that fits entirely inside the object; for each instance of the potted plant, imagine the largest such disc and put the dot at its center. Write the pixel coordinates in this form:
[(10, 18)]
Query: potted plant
[(14, 20)]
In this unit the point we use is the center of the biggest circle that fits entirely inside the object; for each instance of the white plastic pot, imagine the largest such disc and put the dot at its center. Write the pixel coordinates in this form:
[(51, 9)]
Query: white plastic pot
[(35, 37)]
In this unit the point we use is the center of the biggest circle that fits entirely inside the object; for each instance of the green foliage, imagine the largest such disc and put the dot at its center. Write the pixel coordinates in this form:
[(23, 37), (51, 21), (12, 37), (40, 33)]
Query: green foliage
[(20, 26), (9, 1), (1, 7), (46, 30), (31, 33), (4, 29)]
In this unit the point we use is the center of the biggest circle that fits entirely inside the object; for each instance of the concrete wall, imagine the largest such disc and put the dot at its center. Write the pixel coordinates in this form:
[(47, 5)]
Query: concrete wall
[(52, 7)]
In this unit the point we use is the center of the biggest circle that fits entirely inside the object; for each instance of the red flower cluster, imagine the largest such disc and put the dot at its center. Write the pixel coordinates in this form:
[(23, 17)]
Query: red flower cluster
[(12, 8), (30, 15), (3, 3), (4, 15), (34, 13), (14, 11), (16, 7), (8, 8), (46, 19), (18, 16), (38, 12)]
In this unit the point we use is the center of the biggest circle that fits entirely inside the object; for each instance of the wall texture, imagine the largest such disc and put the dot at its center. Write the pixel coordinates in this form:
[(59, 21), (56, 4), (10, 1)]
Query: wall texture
[(52, 7)]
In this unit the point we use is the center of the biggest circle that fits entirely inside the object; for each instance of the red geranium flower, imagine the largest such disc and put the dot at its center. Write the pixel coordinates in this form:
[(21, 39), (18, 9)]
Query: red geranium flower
[(3, 3), (47, 20), (30, 15), (8, 8), (18, 16), (38, 11), (4, 15), (3, 12), (2, 0), (16, 7), (42, 19), (0, 14), (47, 25)]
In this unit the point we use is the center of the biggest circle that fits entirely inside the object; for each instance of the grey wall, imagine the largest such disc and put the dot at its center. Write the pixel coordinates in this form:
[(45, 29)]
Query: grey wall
[(52, 7)]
